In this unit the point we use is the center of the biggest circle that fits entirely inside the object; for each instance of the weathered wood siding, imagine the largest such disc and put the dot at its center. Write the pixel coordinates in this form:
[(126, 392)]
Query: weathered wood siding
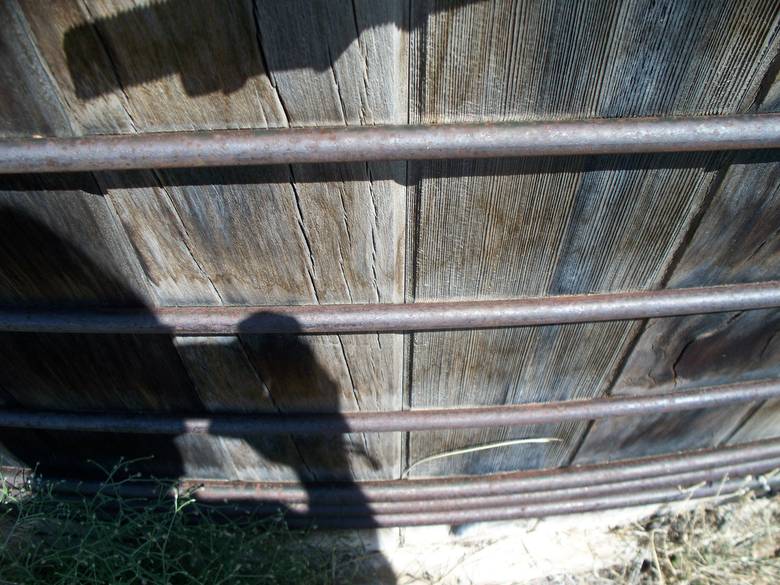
[(384, 232), (737, 240), (493, 229), (250, 235)]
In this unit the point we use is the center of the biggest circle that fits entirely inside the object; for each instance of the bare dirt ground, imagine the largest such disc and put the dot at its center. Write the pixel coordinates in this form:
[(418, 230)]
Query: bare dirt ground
[(734, 542)]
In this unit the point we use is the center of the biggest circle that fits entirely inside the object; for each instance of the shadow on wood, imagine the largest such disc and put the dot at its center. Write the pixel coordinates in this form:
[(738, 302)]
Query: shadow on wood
[(88, 372), (216, 45), (80, 372)]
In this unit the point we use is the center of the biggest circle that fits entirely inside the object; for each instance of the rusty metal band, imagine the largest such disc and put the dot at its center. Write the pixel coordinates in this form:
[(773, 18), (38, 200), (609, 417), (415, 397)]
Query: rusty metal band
[(716, 482), (395, 421), (378, 318), (458, 515), (363, 508), (319, 145), (452, 487)]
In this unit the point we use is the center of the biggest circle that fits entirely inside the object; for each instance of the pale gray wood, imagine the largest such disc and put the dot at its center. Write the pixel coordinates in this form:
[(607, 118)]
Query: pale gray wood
[(259, 236), (336, 233), (29, 102), (512, 228), (737, 240), (143, 209), (329, 63), (763, 424)]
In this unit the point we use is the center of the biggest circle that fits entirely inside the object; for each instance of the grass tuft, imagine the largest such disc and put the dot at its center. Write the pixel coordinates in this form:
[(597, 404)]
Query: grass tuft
[(103, 538)]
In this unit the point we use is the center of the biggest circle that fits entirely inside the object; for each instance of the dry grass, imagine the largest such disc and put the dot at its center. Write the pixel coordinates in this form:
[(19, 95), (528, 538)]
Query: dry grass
[(102, 539), (732, 544)]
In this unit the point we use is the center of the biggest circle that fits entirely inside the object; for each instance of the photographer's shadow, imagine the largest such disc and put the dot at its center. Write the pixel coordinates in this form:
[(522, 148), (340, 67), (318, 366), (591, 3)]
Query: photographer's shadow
[(40, 269), (292, 374)]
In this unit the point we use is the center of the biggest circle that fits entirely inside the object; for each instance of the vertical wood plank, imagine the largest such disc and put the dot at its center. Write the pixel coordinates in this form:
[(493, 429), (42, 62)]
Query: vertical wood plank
[(251, 235), (493, 229), (62, 246), (335, 70), (737, 240)]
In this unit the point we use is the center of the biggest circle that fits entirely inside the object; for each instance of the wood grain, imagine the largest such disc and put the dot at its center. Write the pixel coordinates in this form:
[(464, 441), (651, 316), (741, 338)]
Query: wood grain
[(250, 235), (762, 424), (512, 228), (62, 246), (384, 232), (737, 240)]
